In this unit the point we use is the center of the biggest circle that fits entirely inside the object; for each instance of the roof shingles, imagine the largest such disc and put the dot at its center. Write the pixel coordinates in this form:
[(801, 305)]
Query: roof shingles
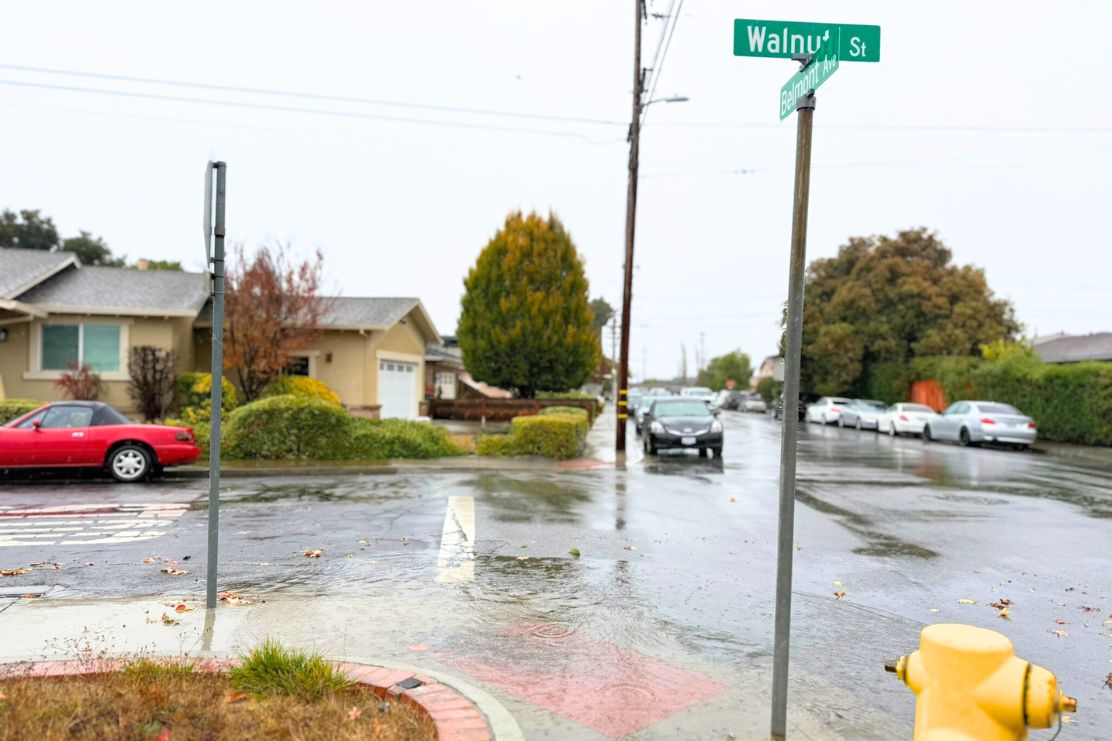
[(106, 289), (22, 269)]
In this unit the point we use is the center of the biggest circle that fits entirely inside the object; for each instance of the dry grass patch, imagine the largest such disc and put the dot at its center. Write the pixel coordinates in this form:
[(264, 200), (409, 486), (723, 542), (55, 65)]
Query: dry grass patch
[(276, 694)]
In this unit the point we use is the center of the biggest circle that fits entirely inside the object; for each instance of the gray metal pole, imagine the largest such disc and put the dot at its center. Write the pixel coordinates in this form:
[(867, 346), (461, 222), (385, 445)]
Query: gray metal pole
[(805, 111), (217, 386)]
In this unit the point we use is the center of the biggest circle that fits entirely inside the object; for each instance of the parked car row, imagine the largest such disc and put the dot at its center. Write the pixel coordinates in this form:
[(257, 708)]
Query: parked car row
[(963, 422), (741, 401)]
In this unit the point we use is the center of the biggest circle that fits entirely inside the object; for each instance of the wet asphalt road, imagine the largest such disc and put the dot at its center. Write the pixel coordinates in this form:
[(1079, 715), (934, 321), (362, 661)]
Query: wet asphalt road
[(677, 566)]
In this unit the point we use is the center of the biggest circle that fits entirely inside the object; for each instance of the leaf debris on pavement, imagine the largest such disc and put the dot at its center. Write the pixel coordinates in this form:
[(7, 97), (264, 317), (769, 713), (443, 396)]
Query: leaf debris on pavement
[(167, 620), (149, 559), (1000, 604), (13, 572), (574, 552), (182, 607), (314, 552), (839, 583), (1003, 613), (1061, 633), (173, 571), (232, 598), (840, 593), (967, 601)]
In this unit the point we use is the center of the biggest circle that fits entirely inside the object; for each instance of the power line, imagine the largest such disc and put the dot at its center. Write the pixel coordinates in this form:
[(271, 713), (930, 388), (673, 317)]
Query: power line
[(659, 66), (310, 111), (311, 96)]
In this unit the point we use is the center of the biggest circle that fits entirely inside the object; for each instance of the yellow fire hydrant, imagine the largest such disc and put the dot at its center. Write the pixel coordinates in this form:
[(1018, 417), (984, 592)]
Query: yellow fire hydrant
[(972, 687)]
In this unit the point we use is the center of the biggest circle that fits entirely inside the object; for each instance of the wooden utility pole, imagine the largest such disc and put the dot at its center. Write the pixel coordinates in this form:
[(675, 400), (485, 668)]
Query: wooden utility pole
[(622, 402)]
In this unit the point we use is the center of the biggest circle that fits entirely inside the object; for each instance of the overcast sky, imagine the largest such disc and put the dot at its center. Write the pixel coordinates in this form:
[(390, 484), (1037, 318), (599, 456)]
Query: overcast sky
[(991, 125)]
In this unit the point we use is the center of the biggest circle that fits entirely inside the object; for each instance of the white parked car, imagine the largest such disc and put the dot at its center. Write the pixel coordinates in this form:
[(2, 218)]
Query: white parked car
[(698, 392), (975, 422), (754, 403), (905, 419), (826, 410)]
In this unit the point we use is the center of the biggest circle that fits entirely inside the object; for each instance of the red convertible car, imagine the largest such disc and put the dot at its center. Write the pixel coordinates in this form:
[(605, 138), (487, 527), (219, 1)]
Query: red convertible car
[(91, 434)]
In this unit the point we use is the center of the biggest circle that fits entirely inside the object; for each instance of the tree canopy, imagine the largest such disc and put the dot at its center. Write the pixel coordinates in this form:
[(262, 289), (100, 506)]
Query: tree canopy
[(735, 366), (92, 250), (889, 300), (28, 230), (526, 323), (603, 311)]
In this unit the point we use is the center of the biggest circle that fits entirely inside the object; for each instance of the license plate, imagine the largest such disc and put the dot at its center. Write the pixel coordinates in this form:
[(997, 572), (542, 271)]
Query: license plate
[(687, 440)]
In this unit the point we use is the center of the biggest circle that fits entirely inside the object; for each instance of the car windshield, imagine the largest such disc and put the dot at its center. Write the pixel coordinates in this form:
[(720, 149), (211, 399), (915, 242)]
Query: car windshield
[(875, 405), (680, 409), (998, 409), (839, 401), (698, 391), (917, 408)]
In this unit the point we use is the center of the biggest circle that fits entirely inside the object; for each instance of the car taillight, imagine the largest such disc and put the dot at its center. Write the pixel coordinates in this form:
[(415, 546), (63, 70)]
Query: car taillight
[(183, 436), (903, 418), (1032, 426), (987, 421), (835, 409)]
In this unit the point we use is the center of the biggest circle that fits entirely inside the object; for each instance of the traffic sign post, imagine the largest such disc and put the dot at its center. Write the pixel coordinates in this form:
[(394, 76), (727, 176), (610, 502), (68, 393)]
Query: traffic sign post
[(214, 255), (786, 39), (820, 48)]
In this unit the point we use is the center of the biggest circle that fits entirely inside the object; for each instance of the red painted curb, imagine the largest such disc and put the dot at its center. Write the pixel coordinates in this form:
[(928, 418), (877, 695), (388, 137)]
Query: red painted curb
[(456, 718)]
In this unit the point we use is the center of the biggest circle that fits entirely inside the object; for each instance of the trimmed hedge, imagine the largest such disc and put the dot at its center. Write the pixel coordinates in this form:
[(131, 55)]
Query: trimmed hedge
[(399, 438), (13, 408), (495, 445), (582, 419), (288, 427), (194, 390), (300, 386), (555, 436)]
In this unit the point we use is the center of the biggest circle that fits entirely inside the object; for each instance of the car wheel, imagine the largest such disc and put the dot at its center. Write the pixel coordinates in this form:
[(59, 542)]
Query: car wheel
[(858, 425), (841, 423), (926, 434), (129, 463), (964, 439), (892, 430), (650, 448), (717, 451), (702, 452)]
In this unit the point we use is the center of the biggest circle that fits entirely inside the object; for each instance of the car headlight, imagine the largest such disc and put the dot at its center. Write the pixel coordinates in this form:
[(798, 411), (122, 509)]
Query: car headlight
[(656, 427), (716, 426)]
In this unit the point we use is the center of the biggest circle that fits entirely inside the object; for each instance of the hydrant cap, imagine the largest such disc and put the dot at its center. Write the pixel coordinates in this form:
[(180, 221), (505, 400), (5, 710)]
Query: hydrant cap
[(965, 639)]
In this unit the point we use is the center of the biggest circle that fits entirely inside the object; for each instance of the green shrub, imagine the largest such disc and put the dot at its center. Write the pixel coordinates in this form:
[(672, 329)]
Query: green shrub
[(270, 669), (12, 408), (399, 438), (194, 390), (555, 436), (289, 427), (596, 408), (496, 445), (300, 386), (769, 390), (576, 415)]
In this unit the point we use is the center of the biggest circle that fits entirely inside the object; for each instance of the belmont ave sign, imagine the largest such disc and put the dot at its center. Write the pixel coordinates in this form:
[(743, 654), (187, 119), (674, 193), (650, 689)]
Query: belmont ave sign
[(807, 80), (782, 39)]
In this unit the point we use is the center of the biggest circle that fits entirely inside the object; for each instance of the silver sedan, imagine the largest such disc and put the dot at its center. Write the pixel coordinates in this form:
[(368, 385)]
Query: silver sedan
[(975, 422)]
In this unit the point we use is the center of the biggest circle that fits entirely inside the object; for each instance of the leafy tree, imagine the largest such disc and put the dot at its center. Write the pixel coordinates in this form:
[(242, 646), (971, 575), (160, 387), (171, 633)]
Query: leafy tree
[(769, 389), (150, 371), (604, 312), (161, 264), (890, 300), (734, 365), (92, 250), (526, 322), (271, 310), (27, 230)]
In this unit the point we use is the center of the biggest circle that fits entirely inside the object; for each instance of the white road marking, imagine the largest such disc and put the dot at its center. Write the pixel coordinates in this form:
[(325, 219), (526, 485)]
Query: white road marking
[(86, 524), (456, 560)]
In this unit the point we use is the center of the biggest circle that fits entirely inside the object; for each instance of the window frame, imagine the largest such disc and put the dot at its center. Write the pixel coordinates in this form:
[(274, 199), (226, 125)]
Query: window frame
[(38, 373)]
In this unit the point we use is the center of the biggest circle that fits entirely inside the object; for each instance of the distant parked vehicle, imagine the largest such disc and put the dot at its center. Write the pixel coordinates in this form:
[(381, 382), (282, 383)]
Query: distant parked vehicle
[(681, 423), (805, 400), (643, 407), (905, 419), (721, 400), (826, 410), (753, 403), (698, 392), (862, 414), (976, 422)]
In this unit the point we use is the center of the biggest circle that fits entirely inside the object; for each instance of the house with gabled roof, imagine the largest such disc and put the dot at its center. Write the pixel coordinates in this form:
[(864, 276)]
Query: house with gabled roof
[(56, 313)]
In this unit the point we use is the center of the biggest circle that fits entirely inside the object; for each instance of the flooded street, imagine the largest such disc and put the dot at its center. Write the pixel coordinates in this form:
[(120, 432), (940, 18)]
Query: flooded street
[(605, 603)]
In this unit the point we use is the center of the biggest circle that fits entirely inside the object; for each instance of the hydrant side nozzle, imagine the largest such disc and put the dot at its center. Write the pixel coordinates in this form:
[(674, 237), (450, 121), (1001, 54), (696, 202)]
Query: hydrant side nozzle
[(897, 667), (1067, 704), (892, 666)]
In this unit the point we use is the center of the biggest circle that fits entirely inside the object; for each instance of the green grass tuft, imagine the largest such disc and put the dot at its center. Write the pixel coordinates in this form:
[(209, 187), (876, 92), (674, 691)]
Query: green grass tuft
[(153, 671), (271, 669)]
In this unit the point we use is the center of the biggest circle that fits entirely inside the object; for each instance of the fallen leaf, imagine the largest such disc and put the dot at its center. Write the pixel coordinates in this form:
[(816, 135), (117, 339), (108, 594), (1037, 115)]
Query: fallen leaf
[(1061, 633), (354, 714), (232, 696), (30, 596), (364, 541), (1107, 682), (183, 608), (1001, 604), (522, 558), (164, 735), (89, 563), (966, 601), (1086, 608), (630, 548), (12, 572), (186, 558), (43, 565), (314, 553), (524, 546), (733, 500), (232, 598), (839, 583), (149, 559), (1003, 613), (173, 571), (574, 552), (840, 593), (1060, 621), (405, 541), (167, 620)]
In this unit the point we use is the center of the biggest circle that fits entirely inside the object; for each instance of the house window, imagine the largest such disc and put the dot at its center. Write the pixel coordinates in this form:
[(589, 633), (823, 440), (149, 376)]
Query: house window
[(65, 346), (298, 365)]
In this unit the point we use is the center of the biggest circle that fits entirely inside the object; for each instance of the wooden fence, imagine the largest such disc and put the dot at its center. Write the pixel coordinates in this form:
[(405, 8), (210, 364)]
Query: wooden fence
[(500, 410)]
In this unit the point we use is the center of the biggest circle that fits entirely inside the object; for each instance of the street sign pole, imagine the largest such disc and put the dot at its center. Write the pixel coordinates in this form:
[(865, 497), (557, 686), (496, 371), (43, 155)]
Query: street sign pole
[(805, 109), (217, 260)]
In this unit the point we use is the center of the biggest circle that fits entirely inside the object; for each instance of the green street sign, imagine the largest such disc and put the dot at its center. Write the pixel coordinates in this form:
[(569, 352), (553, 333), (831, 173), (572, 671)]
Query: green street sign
[(810, 77), (782, 39)]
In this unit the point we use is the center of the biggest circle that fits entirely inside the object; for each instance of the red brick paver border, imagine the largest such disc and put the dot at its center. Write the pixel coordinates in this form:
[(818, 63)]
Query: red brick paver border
[(456, 718)]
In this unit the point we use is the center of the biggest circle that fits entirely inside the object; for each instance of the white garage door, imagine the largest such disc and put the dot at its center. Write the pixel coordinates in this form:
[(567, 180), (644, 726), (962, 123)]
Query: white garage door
[(397, 389)]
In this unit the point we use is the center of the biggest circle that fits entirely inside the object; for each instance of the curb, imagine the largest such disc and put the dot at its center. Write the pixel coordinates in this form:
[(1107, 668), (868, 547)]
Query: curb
[(458, 715), (244, 473)]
